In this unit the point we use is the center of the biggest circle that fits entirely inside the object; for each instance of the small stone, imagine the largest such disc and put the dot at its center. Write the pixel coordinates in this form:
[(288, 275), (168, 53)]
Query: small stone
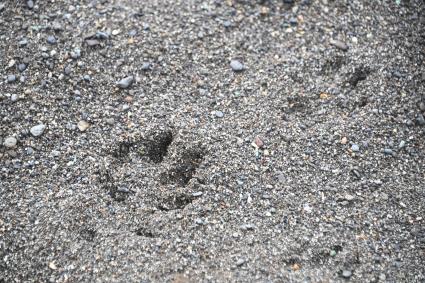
[(14, 97), (219, 114), (240, 262), (22, 67), (67, 71), (51, 39), (346, 273), (197, 194), (344, 140), (293, 21), (146, 66), (92, 42), (23, 42), (10, 142), (237, 66), (258, 143), (339, 44), (355, 147), (110, 121), (349, 197), (30, 4), (402, 144), (227, 24), (86, 78), (102, 35), (332, 253), (11, 78), (126, 82), (38, 130), (83, 125), (76, 54), (388, 151), (420, 120)]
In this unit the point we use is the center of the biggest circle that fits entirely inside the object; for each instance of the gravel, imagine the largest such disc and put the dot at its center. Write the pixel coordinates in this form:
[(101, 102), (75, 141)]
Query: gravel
[(10, 142), (237, 66), (225, 152), (38, 130), (125, 82)]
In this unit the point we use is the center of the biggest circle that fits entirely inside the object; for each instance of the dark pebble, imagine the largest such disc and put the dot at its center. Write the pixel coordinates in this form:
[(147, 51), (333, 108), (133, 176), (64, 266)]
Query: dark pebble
[(420, 120)]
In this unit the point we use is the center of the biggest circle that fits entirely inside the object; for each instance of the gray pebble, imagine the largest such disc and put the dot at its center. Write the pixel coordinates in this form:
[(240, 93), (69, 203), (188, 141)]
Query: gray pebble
[(346, 273), (76, 54), (92, 42), (30, 4), (355, 147), (126, 82), (11, 78), (86, 78), (219, 114), (240, 262), (67, 70), (146, 66), (339, 44), (197, 194), (10, 142), (51, 39), (22, 67), (402, 144), (420, 120), (23, 42), (102, 35), (388, 151), (14, 97), (236, 66), (38, 130)]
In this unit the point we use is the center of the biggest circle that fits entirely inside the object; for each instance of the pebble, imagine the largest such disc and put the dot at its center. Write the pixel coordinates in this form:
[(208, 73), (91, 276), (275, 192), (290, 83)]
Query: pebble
[(258, 143), (76, 54), (11, 78), (146, 66), (30, 4), (388, 151), (38, 130), (126, 82), (10, 142), (219, 114), (23, 42), (14, 97), (237, 66), (402, 144), (355, 147), (86, 78), (240, 262), (51, 39), (197, 194), (67, 70), (420, 120), (83, 125), (22, 67), (339, 44), (102, 35), (346, 273), (92, 42)]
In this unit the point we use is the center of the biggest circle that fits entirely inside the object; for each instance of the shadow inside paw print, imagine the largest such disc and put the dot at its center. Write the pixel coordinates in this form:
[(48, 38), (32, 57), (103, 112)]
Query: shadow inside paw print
[(185, 168)]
